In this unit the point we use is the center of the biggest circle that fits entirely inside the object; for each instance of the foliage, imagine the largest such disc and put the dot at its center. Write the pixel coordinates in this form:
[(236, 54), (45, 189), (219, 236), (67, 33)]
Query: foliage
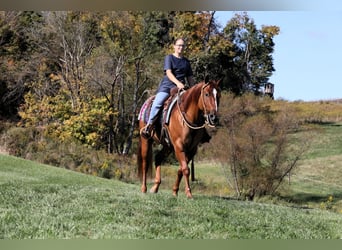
[(196, 28), (255, 147), (100, 61), (19, 59), (120, 71), (32, 144), (327, 205), (59, 67), (253, 48)]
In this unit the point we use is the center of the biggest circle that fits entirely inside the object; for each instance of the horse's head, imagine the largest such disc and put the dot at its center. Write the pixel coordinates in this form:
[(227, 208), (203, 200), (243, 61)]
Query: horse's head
[(210, 97)]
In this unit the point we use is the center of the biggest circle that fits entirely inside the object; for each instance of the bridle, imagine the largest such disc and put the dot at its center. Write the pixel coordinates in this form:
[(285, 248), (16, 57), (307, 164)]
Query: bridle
[(205, 115)]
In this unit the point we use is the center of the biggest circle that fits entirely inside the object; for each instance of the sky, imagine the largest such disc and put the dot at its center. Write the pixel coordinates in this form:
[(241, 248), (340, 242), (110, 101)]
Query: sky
[(308, 51)]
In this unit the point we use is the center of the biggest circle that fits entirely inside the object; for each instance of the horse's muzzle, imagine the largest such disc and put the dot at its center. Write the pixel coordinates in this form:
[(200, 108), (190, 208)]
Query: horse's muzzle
[(212, 119)]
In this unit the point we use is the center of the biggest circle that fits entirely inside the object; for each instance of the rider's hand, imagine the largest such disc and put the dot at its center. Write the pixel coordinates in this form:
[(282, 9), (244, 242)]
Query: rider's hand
[(180, 85)]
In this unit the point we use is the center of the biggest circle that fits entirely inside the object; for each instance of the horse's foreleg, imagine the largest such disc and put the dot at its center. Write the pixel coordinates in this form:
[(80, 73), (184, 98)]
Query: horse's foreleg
[(186, 173), (178, 180), (183, 171), (157, 180), (143, 186)]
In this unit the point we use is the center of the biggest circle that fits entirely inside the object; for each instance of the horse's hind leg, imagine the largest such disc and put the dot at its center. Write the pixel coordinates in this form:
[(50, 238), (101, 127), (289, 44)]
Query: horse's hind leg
[(178, 180), (145, 151), (157, 180), (158, 160), (143, 184)]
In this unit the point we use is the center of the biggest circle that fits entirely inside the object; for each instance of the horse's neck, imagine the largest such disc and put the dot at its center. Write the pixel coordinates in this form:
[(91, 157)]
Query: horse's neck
[(191, 106)]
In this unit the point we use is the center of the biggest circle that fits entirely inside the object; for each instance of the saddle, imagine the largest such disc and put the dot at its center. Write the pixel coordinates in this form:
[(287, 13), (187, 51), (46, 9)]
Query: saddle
[(164, 114)]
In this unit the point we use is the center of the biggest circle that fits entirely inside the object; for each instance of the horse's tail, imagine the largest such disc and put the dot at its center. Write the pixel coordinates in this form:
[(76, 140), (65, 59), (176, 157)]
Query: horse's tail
[(139, 159), (144, 154)]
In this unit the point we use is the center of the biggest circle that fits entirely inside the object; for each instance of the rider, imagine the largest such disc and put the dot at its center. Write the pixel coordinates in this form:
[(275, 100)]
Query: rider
[(177, 69)]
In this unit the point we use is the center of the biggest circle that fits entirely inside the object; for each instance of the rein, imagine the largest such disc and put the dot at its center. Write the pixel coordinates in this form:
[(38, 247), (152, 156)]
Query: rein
[(194, 126)]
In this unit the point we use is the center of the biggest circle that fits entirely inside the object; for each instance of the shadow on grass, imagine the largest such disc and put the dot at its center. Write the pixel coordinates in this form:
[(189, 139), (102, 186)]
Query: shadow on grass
[(301, 198), (325, 123), (298, 200)]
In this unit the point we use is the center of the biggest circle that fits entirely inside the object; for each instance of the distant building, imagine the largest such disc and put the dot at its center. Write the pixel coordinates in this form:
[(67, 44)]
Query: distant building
[(269, 89)]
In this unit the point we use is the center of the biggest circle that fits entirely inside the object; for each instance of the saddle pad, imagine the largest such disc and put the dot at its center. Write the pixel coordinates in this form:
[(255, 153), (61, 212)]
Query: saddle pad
[(168, 105), (146, 109)]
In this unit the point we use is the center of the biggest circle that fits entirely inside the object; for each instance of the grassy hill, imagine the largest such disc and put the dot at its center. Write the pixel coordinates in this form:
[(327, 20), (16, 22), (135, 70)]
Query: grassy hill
[(40, 201), (317, 182)]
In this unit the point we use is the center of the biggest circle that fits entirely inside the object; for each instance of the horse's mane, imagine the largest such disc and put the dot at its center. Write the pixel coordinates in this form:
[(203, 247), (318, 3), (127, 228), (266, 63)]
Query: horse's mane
[(192, 94)]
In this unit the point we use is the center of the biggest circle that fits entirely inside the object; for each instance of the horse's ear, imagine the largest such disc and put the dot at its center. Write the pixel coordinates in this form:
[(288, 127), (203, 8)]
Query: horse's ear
[(206, 79), (219, 80)]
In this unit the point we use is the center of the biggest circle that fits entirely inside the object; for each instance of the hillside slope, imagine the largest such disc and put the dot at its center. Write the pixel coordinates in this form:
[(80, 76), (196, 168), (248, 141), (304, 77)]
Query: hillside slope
[(40, 201)]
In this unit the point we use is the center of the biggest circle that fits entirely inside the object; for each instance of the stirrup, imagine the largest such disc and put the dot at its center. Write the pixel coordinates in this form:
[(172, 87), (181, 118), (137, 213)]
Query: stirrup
[(146, 131)]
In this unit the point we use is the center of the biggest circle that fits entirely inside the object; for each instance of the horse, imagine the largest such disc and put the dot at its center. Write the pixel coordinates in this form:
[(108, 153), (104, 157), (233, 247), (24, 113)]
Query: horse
[(194, 109)]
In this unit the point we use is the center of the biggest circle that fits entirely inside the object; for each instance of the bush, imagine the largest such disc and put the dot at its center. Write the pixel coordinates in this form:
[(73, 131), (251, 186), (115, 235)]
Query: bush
[(34, 144), (254, 145), (18, 141)]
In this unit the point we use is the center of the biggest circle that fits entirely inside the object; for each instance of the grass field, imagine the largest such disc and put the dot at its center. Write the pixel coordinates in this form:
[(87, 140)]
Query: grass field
[(317, 181), (40, 201)]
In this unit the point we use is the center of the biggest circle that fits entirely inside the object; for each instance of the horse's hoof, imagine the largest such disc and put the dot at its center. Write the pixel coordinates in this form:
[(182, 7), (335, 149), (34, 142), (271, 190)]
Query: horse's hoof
[(143, 189), (188, 193), (154, 190)]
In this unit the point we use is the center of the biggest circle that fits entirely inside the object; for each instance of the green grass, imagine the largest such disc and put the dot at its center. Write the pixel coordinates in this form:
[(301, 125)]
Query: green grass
[(326, 142), (319, 174), (40, 201)]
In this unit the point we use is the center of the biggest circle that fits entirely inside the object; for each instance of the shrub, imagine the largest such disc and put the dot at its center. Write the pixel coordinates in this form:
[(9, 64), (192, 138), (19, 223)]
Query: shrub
[(19, 140), (254, 146), (35, 144)]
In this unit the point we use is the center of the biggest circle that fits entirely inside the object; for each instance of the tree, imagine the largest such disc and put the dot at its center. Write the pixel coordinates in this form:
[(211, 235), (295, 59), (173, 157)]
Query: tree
[(200, 31), (253, 48), (18, 57), (88, 73), (195, 27), (122, 68), (75, 37), (97, 68)]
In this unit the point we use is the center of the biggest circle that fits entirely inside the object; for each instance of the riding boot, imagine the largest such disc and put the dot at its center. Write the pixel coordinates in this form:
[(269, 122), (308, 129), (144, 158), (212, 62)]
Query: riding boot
[(146, 131)]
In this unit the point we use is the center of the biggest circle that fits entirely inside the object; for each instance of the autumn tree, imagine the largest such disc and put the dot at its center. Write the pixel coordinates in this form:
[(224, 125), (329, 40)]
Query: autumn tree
[(103, 64), (84, 75), (199, 30), (18, 57), (122, 68), (75, 37), (63, 104)]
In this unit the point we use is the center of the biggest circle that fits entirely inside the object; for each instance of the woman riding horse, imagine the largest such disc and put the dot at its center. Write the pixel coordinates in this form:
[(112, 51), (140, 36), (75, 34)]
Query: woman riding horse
[(193, 110), (177, 68)]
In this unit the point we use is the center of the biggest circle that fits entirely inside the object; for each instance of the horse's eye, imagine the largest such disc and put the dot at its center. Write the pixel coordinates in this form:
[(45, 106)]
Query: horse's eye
[(206, 94)]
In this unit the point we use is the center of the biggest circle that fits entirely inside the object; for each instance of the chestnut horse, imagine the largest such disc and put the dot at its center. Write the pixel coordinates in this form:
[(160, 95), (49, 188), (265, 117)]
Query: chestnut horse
[(195, 109)]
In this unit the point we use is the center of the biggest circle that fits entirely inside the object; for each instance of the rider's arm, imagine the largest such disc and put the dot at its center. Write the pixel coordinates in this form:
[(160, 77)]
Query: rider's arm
[(173, 79)]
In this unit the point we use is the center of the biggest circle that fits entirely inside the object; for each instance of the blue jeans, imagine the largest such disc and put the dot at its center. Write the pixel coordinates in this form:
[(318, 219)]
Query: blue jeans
[(157, 104)]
